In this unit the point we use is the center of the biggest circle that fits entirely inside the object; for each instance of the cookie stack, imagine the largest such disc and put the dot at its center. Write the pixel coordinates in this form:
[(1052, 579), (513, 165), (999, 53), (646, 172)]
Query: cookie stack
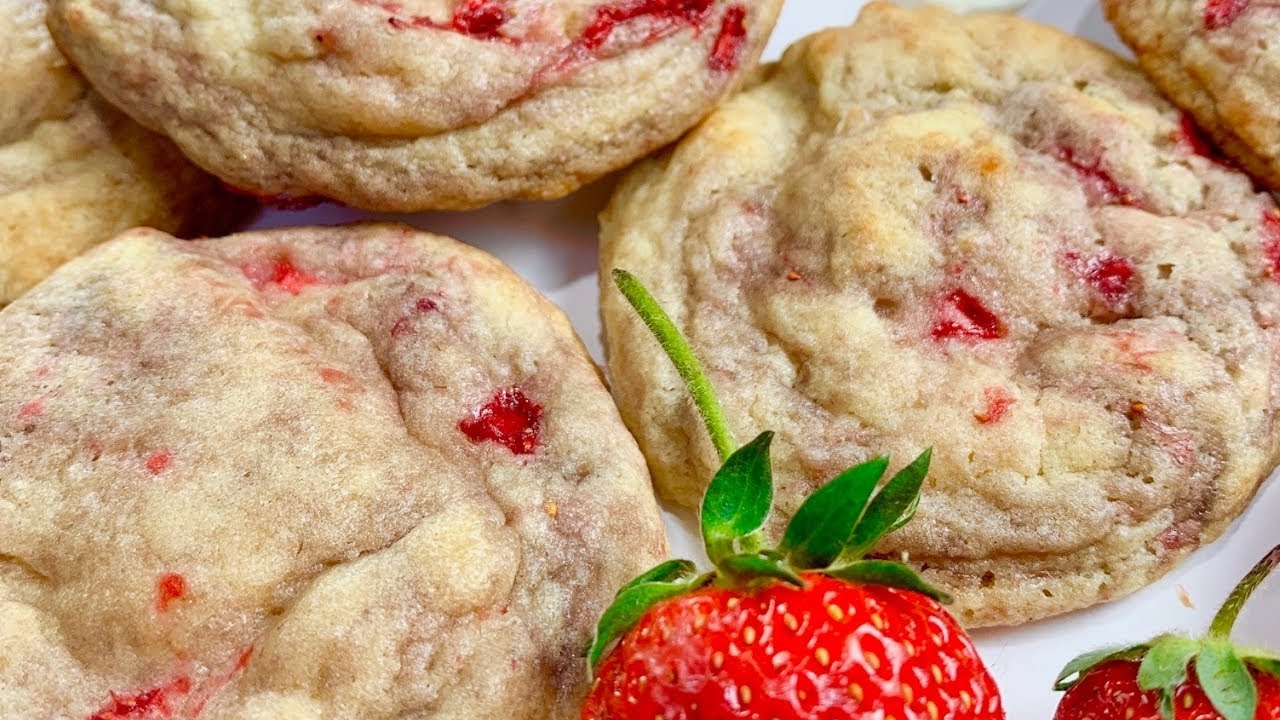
[(370, 472)]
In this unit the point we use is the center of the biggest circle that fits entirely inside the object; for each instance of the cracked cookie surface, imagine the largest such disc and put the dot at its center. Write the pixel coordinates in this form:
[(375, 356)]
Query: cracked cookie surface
[(415, 104), (983, 235), (75, 171), (357, 471), (1219, 59)]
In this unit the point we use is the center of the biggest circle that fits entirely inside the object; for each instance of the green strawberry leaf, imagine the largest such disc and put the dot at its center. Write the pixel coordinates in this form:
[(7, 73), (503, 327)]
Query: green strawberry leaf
[(759, 565), (890, 508), (1263, 660), (907, 515), (1226, 681), (1220, 627), (824, 523), (627, 609), (1164, 668), (738, 499), (681, 355), (887, 572), (1075, 670), (669, 571)]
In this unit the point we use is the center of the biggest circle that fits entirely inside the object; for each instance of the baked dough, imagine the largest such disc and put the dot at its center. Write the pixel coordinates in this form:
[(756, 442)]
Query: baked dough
[(415, 104), (355, 472), (982, 235)]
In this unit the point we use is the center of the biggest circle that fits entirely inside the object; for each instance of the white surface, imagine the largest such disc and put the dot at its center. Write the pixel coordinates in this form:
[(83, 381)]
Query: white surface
[(553, 246)]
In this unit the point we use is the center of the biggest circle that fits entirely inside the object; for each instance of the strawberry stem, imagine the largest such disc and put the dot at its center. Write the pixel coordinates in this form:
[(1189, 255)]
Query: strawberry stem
[(1220, 628), (673, 343)]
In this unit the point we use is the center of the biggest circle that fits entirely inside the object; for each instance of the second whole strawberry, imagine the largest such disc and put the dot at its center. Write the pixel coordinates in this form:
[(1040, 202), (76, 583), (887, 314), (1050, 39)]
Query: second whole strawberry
[(810, 629), (1176, 677)]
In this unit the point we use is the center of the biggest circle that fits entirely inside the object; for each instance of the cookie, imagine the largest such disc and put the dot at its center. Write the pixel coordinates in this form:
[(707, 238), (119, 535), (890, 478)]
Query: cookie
[(981, 235), (1219, 60), (312, 473), (73, 170), (415, 104)]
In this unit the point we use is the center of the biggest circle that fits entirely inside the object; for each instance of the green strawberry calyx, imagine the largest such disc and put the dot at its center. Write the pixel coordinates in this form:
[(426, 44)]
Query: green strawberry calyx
[(1222, 668), (830, 533)]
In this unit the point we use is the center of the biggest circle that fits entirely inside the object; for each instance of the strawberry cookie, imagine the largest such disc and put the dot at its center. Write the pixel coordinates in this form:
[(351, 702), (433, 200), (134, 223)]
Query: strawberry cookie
[(981, 235), (1219, 59), (415, 104), (73, 170), (315, 473)]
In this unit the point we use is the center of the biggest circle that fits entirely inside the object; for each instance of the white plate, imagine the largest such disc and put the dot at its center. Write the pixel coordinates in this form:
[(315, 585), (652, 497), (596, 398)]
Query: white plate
[(553, 246)]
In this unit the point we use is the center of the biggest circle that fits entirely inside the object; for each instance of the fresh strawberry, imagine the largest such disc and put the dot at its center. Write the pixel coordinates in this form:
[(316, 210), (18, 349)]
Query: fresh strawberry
[(1179, 678), (810, 629), (829, 649)]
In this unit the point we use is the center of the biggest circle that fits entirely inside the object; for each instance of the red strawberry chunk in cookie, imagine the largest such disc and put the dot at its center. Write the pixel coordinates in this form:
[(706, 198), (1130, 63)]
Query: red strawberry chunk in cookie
[(289, 278), (280, 274), (727, 50), (344, 383), (1190, 138), (669, 12), (1099, 186), (170, 588), (154, 703), (336, 377), (158, 462), (962, 316), (509, 418), (480, 18), (31, 409), (998, 403), (1223, 13), (1111, 277), (1271, 241)]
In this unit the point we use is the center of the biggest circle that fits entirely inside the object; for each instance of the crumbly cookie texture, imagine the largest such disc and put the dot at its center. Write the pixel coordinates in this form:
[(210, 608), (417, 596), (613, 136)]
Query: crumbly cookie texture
[(982, 235), (415, 104), (324, 472), (1218, 59), (75, 171)]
